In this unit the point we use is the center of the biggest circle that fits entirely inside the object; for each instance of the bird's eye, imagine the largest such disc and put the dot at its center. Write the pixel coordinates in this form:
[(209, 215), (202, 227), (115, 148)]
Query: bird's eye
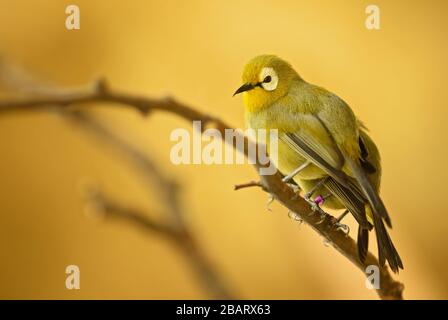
[(268, 79)]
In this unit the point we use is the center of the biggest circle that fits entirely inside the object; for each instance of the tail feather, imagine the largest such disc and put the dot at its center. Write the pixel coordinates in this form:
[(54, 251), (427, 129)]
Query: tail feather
[(353, 201), (356, 205), (386, 249), (370, 193), (363, 243)]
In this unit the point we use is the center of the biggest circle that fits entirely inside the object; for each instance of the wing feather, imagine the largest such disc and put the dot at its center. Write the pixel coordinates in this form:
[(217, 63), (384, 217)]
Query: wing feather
[(301, 144)]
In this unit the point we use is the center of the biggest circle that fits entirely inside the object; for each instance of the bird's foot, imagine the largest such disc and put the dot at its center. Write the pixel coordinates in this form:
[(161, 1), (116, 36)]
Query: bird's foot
[(343, 227), (340, 226), (316, 203), (295, 217), (323, 216), (296, 190), (269, 202), (294, 187), (315, 206)]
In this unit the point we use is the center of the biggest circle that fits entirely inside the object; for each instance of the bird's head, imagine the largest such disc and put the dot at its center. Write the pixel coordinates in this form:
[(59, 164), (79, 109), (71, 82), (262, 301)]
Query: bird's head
[(266, 79)]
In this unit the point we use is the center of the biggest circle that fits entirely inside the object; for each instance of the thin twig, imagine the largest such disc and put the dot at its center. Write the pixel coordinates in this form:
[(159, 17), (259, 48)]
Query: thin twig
[(249, 185), (389, 289), (110, 209), (167, 188)]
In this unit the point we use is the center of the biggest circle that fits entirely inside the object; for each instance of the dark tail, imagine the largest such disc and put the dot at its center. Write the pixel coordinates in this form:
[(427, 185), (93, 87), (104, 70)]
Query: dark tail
[(353, 201), (363, 243), (386, 249), (370, 193)]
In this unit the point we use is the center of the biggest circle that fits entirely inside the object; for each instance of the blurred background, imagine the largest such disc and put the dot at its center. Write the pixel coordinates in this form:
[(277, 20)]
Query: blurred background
[(394, 79)]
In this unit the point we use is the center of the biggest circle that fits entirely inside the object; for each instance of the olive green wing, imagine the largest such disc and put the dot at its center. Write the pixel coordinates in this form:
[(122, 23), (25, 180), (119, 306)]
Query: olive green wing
[(312, 141)]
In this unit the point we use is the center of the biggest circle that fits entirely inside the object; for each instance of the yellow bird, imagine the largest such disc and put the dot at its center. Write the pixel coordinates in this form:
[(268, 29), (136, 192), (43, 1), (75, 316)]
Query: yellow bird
[(322, 147)]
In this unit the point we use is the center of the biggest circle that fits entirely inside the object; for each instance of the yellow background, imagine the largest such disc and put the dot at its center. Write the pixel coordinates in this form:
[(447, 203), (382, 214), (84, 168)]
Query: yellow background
[(394, 79)]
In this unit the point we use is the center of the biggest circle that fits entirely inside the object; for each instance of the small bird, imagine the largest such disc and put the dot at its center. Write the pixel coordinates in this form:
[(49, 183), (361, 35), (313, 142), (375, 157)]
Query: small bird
[(322, 147)]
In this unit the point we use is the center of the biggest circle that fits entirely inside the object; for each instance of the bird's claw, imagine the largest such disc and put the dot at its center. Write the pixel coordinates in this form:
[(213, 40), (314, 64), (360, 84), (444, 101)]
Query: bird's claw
[(323, 216), (315, 207), (343, 227), (268, 203), (308, 195), (295, 217), (293, 186)]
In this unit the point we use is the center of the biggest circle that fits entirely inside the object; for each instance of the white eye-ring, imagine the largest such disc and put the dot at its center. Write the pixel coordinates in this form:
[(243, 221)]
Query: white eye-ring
[(268, 79)]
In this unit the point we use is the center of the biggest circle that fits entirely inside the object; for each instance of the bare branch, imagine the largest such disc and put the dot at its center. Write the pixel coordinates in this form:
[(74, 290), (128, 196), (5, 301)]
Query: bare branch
[(180, 237), (100, 93), (249, 185), (112, 210), (390, 289), (167, 188)]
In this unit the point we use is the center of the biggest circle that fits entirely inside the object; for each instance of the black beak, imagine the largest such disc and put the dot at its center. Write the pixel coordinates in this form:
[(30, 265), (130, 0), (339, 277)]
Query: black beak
[(245, 87)]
